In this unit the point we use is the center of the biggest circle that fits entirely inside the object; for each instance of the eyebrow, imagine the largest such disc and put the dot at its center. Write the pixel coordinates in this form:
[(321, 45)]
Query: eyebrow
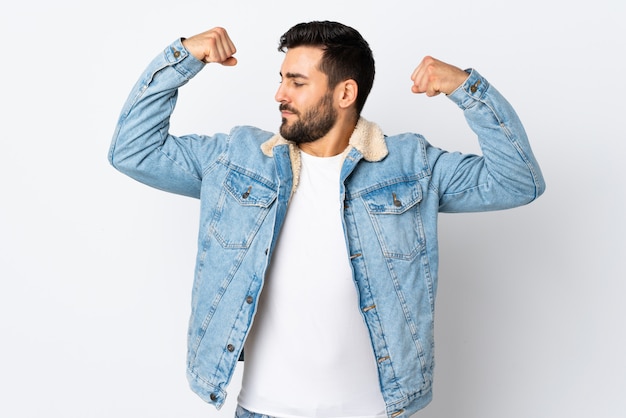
[(293, 75)]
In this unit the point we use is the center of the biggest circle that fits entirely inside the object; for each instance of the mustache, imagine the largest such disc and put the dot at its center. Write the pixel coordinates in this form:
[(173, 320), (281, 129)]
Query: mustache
[(285, 106)]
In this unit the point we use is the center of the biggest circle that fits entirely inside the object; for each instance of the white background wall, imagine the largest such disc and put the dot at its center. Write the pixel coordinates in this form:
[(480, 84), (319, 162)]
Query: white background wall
[(96, 269)]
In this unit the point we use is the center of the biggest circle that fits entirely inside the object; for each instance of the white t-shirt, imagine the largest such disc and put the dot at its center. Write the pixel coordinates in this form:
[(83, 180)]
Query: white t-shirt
[(309, 353)]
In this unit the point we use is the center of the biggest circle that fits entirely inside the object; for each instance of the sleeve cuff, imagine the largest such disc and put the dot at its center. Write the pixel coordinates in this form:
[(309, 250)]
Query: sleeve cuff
[(180, 58), (471, 91)]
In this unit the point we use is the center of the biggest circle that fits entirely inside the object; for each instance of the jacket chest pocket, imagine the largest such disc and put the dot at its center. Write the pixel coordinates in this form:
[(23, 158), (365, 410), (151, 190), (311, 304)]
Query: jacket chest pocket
[(242, 206), (395, 214)]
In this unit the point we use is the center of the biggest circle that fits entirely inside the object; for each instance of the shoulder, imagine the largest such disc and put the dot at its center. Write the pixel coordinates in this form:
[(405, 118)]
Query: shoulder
[(245, 149), (411, 152), (250, 133), (406, 144)]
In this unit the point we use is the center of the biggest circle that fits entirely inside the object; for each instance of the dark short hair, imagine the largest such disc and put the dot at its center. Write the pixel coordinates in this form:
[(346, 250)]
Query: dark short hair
[(346, 54)]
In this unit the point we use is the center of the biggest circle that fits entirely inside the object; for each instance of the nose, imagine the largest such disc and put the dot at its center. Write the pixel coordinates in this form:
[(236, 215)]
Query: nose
[(280, 96)]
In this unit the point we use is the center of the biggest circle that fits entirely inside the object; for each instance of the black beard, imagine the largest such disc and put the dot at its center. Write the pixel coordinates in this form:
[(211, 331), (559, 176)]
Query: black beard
[(314, 124)]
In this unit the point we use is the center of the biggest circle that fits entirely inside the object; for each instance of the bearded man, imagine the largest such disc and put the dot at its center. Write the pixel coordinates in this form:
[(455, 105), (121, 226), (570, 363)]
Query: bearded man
[(317, 247)]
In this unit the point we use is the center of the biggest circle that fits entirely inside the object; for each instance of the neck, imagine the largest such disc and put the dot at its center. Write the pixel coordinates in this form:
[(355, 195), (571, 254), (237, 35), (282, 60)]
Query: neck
[(334, 142)]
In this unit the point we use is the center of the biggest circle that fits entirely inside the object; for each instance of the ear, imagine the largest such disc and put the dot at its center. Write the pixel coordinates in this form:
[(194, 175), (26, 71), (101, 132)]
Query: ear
[(347, 92)]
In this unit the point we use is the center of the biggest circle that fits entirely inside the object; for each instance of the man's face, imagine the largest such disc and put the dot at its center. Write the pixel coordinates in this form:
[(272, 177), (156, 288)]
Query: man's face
[(306, 103)]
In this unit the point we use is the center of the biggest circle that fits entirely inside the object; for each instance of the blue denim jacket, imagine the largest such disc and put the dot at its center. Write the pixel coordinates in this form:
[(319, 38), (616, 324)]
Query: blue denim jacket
[(392, 190)]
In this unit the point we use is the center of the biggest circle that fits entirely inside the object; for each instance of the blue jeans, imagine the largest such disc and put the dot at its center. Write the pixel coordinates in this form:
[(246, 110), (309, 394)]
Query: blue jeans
[(242, 412)]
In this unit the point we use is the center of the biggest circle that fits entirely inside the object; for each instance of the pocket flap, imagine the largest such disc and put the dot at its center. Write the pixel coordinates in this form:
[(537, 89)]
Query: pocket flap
[(393, 199), (249, 191)]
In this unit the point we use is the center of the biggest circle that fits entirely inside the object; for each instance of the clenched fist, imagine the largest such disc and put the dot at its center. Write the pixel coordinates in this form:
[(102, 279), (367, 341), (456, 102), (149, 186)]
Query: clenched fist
[(213, 45), (433, 77)]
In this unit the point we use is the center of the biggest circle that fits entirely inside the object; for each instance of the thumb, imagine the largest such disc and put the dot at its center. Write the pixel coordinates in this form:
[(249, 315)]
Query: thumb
[(229, 62)]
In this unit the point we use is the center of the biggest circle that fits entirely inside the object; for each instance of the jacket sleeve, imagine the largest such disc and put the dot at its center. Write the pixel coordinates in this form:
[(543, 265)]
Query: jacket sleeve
[(506, 175), (142, 146)]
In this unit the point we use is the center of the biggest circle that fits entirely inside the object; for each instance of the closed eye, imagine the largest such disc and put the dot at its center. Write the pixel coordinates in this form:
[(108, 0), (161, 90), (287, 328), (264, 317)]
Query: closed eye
[(296, 79)]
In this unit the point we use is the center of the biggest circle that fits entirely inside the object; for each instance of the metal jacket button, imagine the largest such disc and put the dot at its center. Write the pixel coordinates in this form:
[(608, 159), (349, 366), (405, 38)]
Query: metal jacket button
[(396, 202), (230, 347), (475, 86)]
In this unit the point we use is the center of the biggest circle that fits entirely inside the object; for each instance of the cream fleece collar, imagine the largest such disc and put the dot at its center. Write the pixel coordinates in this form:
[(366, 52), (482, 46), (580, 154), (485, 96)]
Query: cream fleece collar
[(367, 138)]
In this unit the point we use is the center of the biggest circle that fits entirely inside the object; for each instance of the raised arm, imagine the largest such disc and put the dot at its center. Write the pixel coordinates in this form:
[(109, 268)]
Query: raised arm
[(506, 175), (142, 146)]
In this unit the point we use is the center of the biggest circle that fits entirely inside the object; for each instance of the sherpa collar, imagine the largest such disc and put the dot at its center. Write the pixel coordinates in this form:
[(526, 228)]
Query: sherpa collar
[(367, 138)]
